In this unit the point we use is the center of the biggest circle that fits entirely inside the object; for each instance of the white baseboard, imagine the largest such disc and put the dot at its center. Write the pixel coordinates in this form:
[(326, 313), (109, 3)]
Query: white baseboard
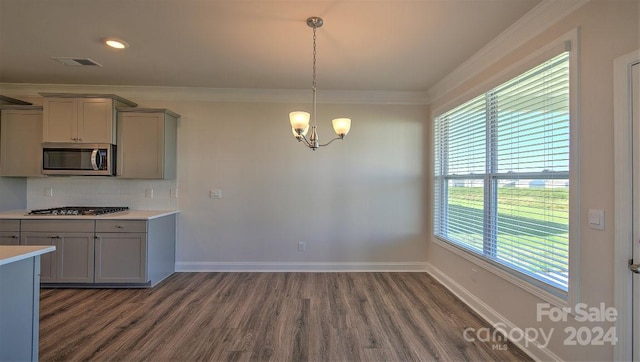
[(489, 314), (299, 267)]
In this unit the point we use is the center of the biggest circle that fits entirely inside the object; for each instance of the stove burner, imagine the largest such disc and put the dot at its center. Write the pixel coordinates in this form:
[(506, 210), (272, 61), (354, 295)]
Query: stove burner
[(79, 210)]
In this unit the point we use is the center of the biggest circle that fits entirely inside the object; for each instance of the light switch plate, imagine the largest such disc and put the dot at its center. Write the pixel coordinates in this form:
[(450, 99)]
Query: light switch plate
[(596, 219)]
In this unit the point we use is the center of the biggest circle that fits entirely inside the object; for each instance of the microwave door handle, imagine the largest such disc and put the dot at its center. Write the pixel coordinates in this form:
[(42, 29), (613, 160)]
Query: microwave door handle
[(94, 161)]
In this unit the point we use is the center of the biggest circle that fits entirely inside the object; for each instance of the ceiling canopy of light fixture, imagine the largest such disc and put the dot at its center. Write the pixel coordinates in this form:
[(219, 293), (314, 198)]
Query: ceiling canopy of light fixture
[(300, 119)]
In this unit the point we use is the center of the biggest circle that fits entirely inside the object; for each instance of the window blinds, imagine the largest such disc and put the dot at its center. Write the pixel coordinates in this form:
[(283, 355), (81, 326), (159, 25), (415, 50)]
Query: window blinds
[(502, 174)]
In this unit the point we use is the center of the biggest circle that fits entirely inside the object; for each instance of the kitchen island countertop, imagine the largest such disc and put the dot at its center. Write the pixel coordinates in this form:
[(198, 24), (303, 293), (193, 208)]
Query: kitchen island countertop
[(13, 253), (127, 215)]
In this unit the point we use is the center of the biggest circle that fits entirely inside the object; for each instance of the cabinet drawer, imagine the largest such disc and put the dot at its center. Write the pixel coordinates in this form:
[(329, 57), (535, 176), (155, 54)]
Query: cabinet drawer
[(9, 225), (67, 226), (121, 226)]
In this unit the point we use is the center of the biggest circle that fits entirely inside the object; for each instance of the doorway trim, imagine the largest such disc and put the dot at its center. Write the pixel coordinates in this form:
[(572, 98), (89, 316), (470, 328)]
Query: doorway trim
[(623, 182)]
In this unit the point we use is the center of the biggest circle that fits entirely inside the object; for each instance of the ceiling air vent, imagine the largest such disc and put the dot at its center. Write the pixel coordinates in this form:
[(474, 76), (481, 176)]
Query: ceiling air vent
[(76, 61)]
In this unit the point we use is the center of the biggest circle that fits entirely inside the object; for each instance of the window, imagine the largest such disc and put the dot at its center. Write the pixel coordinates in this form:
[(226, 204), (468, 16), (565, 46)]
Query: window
[(501, 163)]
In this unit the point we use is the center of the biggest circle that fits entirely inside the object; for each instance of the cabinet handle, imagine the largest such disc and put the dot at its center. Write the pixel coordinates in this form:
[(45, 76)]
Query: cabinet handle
[(55, 236), (14, 236), (74, 139), (119, 227)]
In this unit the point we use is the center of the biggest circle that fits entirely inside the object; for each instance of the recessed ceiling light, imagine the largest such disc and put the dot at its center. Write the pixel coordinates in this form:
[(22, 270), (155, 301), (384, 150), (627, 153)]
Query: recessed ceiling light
[(116, 43)]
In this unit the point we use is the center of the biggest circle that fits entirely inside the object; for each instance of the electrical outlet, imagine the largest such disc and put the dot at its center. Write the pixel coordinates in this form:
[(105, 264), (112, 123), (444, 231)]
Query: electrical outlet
[(215, 194), (148, 193), (173, 193), (48, 191), (301, 246)]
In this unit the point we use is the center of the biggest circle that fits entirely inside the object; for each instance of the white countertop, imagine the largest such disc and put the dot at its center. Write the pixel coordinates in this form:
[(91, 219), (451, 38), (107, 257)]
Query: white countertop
[(13, 253), (127, 215)]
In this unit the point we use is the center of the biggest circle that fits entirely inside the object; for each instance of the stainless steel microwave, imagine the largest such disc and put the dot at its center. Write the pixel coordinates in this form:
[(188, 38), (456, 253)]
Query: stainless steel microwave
[(78, 159)]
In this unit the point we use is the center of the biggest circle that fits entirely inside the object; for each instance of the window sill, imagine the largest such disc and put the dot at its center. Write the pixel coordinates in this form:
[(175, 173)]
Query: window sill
[(509, 277)]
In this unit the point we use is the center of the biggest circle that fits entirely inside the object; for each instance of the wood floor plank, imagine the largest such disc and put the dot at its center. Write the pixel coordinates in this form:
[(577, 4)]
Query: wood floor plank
[(267, 317)]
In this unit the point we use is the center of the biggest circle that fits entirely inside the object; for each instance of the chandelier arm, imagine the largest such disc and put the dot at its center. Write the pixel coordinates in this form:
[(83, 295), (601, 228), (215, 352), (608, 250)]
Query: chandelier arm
[(308, 143), (303, 138), (328, 143)]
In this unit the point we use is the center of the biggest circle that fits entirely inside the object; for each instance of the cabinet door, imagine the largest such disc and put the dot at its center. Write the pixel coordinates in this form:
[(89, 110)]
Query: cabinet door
[(20, 143), (47, 261), (75, 258), (95, 120), (141, 145), (72, 262), (9, 238), (60, 122), (121, 258)]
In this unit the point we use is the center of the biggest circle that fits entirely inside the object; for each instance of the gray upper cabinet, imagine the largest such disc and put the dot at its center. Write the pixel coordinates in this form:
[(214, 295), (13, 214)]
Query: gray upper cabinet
[(20, 139), (146, 143), (81, 118)]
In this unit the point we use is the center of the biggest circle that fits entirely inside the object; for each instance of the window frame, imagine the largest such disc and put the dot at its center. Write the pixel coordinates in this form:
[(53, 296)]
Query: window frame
[(568, 42)]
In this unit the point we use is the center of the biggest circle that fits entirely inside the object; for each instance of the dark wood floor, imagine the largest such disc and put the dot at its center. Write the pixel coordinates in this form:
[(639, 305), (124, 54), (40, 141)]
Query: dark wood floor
[(264, 316)]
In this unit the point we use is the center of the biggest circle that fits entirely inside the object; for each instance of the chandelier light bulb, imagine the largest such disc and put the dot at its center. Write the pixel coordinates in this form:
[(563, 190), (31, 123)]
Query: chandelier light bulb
[(303, 133), (299, 120), (341, 126)]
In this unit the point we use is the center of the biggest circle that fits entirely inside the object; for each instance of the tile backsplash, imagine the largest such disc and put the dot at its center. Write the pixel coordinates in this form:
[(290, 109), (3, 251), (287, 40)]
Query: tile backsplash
[(101, 191)]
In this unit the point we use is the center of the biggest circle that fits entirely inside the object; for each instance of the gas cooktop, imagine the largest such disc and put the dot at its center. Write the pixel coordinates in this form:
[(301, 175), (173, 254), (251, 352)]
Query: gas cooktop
[(79, 210)]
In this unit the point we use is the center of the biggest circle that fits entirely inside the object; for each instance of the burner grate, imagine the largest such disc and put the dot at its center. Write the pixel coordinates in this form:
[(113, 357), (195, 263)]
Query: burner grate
[(80, 210)]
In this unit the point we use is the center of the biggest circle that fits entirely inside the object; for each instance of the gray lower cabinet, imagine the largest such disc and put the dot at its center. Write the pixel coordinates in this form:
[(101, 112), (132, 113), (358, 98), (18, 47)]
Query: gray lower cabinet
[(126, 253), (48, 271), (135, 251), (9, 238), (73, 260), (9, 232), (121, 251)]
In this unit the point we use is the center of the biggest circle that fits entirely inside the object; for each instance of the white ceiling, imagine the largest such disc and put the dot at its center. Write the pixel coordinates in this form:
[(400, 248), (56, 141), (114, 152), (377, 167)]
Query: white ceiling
[(388, 45)]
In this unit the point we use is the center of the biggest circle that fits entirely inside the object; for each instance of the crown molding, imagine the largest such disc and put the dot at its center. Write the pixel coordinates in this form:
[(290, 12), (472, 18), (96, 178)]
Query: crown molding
[(533, 23), (221, 94)]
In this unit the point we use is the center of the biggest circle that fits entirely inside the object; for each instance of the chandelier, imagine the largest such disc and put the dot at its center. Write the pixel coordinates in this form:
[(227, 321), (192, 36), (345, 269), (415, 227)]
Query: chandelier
[(300, 119)]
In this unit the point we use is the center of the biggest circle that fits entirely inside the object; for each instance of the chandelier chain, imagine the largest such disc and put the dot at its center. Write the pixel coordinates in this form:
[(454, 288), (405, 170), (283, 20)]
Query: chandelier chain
[(314, 58), (314, 88)]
